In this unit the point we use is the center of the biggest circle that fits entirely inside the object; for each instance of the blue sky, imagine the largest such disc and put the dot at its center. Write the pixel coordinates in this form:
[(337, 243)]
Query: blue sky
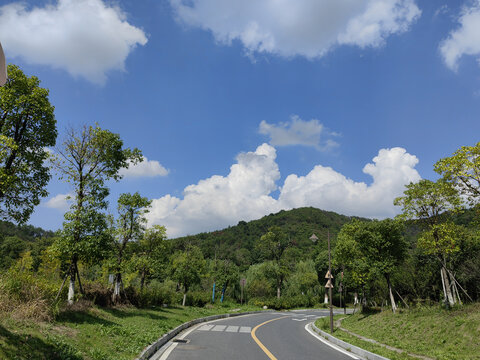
[(243, 108)]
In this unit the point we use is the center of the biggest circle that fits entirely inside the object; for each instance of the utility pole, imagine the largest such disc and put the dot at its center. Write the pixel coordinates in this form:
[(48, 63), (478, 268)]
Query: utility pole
[(331, 285), (3, 67)]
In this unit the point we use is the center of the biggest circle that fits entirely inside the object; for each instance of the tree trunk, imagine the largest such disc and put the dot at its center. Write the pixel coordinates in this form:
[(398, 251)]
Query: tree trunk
[(392, 299), (116, 288), (278, 292), (184, 298), (355, 298), (142, 280), (448, 289), (71, 285), (325, 300)]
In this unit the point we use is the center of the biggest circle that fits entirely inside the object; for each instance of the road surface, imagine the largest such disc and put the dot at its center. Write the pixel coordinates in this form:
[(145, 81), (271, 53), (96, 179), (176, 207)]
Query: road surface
[(264, 336)]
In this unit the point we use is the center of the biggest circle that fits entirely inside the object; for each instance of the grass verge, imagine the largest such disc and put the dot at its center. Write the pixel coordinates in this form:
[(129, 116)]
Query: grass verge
[(95, 333), (430, 331)]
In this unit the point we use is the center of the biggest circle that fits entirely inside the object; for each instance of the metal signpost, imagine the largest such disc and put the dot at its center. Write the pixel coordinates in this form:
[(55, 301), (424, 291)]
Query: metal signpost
[(329, 284), (3, 67)]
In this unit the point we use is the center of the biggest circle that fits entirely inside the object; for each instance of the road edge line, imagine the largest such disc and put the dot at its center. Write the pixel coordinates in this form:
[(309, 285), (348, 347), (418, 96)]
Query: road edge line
[(348, 348)]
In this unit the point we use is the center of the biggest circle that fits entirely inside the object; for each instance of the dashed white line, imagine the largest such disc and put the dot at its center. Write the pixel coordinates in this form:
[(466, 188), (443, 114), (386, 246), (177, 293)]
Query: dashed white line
[(232, 328)]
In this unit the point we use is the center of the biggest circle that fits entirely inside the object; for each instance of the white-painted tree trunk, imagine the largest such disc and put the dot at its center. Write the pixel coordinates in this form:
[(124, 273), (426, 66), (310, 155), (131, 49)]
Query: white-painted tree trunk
[(447, 289), (392, 299), (355, 299), (71, 291), (325, 301), (184, 299)]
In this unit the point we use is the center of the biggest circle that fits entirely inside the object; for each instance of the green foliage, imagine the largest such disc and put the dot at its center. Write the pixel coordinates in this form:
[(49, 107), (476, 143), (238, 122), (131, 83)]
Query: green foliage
[(463, 170), (440, 240), (237, 243), (87, 159), (427, 200), (188, 266), (27, 127)]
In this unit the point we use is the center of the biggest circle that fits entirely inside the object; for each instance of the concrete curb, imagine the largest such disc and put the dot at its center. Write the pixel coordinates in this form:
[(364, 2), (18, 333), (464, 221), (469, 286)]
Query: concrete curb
[(153, 348), (352, 348)]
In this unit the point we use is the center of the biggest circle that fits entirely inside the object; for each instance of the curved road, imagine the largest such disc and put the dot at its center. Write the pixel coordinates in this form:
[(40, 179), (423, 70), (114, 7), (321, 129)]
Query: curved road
[(264, 336)]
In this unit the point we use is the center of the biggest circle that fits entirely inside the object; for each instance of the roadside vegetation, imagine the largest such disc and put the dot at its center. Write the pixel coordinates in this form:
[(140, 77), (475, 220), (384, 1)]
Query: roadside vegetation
[(114, 266), (432, 331), (93, 333)]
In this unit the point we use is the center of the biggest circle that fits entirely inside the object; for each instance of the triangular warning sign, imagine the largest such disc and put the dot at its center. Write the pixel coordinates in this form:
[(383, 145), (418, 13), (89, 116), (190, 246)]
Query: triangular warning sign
[(329, 284), (328, 275)]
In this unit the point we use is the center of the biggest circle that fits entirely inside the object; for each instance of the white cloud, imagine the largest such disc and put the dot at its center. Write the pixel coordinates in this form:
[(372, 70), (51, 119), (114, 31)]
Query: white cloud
[(147, 168), (327, 189), (219, 201), (308, 28), (84, 37), (465, 40), (298, 132), (246, 192), (60, 202)]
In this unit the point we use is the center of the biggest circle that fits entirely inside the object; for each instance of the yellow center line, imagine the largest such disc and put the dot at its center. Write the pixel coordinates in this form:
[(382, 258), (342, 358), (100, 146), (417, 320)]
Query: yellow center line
[(265, 350)]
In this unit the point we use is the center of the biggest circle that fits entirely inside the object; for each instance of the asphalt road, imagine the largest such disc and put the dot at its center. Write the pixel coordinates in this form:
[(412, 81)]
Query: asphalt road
[(274, 336)]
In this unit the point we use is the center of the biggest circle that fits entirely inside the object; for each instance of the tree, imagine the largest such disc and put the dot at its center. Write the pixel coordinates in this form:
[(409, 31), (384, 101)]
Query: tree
[(348, 254), (462, 169), (384, 247), (27, 127), (130, 226), (187, 268), (426, 201), (371, 247), (272, 246), (87, 159), (151, 252)]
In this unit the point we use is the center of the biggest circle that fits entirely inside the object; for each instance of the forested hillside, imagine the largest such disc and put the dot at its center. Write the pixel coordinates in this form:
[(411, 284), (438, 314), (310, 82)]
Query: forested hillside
[(237, 243)]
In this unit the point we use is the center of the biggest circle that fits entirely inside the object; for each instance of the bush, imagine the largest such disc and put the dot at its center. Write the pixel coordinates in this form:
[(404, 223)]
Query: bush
[(24, 295), (198, 298)]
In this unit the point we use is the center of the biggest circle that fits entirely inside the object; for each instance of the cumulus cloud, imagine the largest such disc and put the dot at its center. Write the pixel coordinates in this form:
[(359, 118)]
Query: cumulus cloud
[(60, 202), (328, 189), (84, 37), (465, 40), (222, 200), (298, 132), (146, 168), (308, 28), (246, 192)]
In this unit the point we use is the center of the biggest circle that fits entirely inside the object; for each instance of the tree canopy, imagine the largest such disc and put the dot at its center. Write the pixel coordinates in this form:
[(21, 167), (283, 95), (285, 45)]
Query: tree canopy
[(27, 127)]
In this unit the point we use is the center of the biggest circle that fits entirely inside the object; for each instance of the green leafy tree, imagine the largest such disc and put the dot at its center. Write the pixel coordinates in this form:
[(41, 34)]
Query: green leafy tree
[(86, 160), (463, 170), (130, 226), (426, 201), (151, 253), (27, 127), (187, 268), (272, 246), (350, 256)]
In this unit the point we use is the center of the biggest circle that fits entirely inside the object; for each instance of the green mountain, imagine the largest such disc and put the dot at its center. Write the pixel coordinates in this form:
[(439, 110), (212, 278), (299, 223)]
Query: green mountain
[(15, 239), (236, 243)]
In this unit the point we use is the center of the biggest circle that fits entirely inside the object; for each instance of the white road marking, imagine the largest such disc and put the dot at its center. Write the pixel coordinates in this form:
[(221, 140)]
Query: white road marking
[(245, 329), (205, 327), (219, 327), (300, 319), (232, 328), (338, 348), (167, 352)]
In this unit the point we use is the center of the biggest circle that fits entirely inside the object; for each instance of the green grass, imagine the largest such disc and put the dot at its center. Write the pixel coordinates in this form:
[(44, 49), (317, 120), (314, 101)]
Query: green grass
[(94, 333), (434, 332)]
